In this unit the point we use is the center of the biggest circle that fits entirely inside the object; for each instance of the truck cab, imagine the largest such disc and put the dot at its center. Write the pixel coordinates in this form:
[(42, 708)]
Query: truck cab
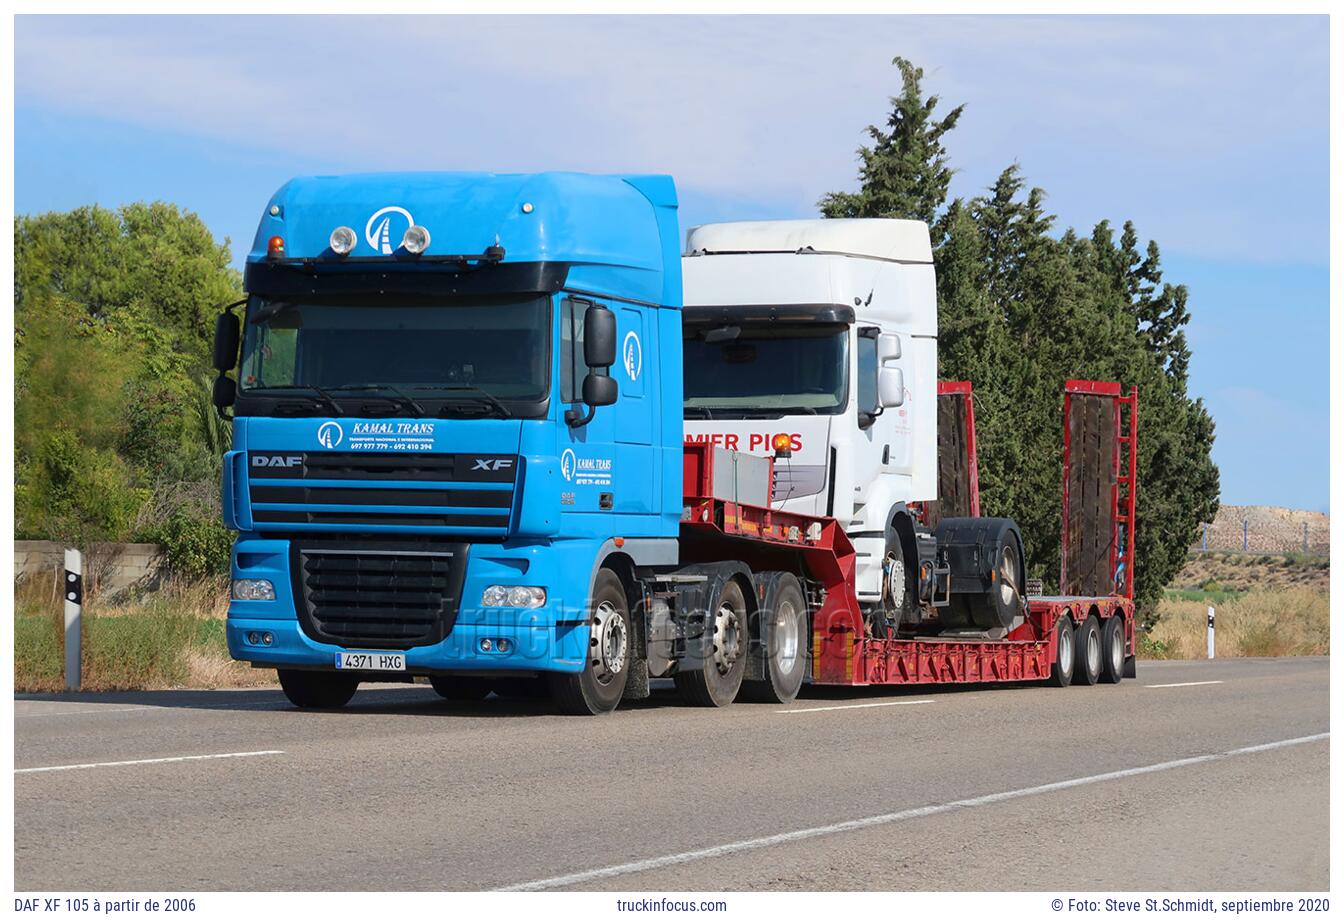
[(456, 402), (815, 341)]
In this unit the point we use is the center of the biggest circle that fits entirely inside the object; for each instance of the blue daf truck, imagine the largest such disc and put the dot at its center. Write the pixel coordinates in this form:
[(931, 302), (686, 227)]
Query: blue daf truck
[(457, 430), (457, 404)]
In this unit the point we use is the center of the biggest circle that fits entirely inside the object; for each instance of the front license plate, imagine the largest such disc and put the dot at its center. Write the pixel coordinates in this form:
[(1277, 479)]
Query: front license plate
[(371, 661)]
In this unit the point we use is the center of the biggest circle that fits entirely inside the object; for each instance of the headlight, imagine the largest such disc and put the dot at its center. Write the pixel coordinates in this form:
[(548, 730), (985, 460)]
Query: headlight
[(342, 241), (416, 240), (253, 589), (513, 596)]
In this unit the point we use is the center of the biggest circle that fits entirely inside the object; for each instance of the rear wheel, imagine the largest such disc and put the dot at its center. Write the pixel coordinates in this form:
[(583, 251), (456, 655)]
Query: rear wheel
[(716, 683), (457, 687), (598, 687), (317, 689), (1061, 672), (1087, 653), (1113, 649), (785, 636)]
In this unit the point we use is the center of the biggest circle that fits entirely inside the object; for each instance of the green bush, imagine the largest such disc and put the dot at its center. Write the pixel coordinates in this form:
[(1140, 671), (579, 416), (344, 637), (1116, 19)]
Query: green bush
[(194, 544)]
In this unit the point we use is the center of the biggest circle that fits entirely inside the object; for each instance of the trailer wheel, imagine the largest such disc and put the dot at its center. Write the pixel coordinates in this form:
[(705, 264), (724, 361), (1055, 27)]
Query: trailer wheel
[(1087, 653), (317, 689), (716, 683), (785, 635), (460, 688), (1061, 672), (598, 687), (1113, 650)]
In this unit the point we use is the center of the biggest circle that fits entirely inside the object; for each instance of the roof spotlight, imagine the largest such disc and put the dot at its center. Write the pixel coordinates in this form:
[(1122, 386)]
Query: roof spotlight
[(416, 240), (342, 241)]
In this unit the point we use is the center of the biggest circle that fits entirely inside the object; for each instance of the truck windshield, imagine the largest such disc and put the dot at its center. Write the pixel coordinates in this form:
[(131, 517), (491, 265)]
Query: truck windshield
[(491, 353), (764, 370)]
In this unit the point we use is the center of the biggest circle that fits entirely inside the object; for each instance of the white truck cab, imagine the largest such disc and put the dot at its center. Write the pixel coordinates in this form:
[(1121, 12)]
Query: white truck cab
[(825, 331)]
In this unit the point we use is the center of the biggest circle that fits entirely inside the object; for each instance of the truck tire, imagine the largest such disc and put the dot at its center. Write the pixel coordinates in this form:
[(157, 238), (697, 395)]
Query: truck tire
[(597, 689), (1131, 666), (1061, 672), (317, 689), (784, 634), (1087, 653), (1113, 650), (457, 687), (716, 683)]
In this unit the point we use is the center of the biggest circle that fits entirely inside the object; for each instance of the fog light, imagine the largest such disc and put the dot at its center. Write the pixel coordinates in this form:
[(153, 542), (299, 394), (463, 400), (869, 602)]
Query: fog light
[(253, 589), (342, 241), (524, 596), (254, 638), (267, 638), (416, 240), (486, 645), (502, 645)]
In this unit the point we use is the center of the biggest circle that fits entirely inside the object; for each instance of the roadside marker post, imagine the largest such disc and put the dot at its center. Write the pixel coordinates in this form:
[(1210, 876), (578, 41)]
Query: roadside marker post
[(1210, 632), (74, 606)]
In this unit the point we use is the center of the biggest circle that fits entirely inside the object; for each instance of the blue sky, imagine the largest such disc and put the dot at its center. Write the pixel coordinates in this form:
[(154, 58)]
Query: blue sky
[(1211, 133)]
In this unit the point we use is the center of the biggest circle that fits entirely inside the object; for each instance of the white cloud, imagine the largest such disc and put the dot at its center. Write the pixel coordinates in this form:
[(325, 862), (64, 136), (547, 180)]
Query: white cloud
[(1211, 133)]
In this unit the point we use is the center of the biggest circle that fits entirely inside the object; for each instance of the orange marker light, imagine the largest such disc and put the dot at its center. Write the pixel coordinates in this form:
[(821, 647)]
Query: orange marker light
[(782, 445), (275, 248)]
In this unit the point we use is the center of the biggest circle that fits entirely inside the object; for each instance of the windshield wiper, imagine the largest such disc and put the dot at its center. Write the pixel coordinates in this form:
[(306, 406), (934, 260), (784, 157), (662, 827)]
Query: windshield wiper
[(703, 411), (480, 396), (401, 398), (325, 396)]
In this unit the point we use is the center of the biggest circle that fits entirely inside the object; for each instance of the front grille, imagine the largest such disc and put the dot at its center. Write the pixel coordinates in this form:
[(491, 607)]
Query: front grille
[(378, 594), (445, 492)]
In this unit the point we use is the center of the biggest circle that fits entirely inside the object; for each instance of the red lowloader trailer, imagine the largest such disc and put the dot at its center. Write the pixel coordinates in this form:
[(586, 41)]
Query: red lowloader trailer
[(1083, 635)]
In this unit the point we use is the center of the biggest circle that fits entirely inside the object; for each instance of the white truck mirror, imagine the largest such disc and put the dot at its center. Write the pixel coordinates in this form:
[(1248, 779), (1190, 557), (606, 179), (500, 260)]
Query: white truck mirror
[(888, 347), (890, 387)]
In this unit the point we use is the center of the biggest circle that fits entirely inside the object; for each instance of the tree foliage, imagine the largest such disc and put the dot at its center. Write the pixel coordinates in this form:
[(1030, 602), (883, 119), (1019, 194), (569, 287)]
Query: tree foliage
[(114, 312), (1023, 309)]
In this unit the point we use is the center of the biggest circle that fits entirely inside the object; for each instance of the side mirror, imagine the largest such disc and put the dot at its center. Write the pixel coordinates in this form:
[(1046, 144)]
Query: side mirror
[(599, 390), (888, 347), (599, 339), (224, 393), (890, 387), (226, 342)]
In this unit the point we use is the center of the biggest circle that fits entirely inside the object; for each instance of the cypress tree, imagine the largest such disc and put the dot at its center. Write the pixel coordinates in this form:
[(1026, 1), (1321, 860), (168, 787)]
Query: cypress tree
[(1020, 312)]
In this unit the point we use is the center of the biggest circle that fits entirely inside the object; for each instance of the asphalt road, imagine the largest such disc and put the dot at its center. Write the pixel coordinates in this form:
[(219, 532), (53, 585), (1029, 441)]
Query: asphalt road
[(1141, 786)]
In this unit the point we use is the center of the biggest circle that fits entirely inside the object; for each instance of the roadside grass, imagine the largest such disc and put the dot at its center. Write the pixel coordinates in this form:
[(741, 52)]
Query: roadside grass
[(171, 637), (1251, 624)]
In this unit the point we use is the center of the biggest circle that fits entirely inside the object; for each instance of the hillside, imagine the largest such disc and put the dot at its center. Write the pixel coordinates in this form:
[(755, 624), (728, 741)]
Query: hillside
[(1267, 529)]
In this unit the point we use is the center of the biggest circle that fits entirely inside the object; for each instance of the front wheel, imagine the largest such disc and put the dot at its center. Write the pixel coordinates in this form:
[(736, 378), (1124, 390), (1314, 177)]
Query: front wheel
[(598, 687), (317, 689)]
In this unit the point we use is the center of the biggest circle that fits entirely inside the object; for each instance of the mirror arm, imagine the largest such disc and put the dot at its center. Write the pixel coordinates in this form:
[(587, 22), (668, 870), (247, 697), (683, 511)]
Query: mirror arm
[(576, 419)]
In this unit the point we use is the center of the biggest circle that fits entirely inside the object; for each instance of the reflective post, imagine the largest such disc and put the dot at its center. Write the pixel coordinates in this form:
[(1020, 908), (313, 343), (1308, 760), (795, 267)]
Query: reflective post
[(1210, 632), (74, 605)]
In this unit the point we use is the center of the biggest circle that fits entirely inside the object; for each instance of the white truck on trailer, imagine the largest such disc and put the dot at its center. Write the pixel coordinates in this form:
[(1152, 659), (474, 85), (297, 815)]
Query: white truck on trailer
[(823, 333)]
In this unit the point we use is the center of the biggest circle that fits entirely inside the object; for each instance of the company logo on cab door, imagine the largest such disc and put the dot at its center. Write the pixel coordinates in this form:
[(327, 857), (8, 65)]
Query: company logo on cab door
[(749, 442)]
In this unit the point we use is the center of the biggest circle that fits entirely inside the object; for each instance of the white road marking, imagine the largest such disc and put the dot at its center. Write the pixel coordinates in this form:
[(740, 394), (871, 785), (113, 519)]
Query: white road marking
[(675, 859), (131, 763), (856, 706), (78, 712), (1188, 683)]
